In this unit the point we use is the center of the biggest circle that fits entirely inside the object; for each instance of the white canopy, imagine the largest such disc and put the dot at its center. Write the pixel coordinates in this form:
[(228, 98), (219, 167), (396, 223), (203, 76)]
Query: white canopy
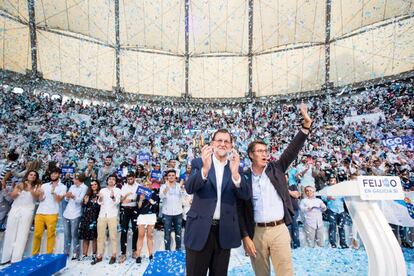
[(76, 43)]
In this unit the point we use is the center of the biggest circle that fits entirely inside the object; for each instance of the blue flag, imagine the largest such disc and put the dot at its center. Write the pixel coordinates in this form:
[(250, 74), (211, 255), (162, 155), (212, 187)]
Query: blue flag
[(146, 191)]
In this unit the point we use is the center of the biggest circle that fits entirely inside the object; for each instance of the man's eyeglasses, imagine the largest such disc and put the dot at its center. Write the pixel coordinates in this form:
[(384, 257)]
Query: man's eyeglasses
[(220, 141), (261, 151)]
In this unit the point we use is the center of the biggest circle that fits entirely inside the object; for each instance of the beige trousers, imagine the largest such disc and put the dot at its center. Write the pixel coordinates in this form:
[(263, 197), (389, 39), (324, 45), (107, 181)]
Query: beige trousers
[(273, 242), (112, 224)]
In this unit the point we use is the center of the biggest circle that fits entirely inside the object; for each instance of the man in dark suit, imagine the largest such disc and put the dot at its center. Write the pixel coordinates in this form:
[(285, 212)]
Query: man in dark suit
[(264, 217), (212, 226)]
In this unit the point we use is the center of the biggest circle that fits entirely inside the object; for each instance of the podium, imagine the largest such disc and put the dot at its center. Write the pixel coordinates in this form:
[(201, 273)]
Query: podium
[(385, 256)]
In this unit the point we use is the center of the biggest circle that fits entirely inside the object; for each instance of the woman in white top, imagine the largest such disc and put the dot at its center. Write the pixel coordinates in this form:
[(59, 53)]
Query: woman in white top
[(20, 218)]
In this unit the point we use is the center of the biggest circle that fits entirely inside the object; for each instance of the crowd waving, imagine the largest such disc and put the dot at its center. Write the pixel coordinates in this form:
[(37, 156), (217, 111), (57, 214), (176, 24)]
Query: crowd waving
[(87, 163)]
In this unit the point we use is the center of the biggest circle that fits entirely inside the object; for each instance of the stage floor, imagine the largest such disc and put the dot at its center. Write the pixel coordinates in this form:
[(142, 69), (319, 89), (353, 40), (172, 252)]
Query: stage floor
[(306, 261)]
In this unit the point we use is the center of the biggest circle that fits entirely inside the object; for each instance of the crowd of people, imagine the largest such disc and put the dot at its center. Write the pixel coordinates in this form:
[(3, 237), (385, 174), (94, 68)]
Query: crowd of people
[(84, 164)]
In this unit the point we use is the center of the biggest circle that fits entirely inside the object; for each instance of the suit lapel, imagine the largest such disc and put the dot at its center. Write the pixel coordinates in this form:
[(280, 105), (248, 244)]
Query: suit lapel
[(226, 177)]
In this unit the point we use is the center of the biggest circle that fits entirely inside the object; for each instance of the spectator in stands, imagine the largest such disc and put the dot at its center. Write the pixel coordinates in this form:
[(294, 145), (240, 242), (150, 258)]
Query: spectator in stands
[(129, 213), (312, 209), (109, 199), (20, 218), (89, 221), (50, 195), (107, 169), (72, 215), (172, 194), (90, 172)]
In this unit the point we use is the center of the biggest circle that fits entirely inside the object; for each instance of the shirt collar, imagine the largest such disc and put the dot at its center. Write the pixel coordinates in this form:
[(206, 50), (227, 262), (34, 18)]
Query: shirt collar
[(218, 163)]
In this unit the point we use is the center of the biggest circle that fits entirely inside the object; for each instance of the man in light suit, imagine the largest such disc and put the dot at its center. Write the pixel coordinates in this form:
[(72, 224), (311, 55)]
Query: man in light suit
[(264, 217), (212, 227)]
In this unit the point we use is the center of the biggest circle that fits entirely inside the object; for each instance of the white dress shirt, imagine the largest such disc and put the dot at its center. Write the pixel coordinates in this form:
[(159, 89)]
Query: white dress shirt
[(219, 170), (172, 201), (74, 208), (267, 204), (49, 206), (313, 217), (109, 206), (133, 196)]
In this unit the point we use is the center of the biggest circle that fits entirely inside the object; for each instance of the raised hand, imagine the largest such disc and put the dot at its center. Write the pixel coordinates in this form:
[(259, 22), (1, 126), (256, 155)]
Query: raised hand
[(307, 121), (234, 164), (206, 153)]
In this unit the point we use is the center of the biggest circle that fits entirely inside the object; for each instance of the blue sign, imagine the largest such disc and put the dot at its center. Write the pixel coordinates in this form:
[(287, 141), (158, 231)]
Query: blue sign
[(68, 169), (401, 141), (156, 175), (145, 191), (144, 157)]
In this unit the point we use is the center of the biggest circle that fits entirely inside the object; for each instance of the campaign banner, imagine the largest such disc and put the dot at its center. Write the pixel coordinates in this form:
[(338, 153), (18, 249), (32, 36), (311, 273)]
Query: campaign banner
[(157, 175), (380, 188), (400, 212), (67, 169), (399, 141), (143, 156), (371, 118), (145, 191)]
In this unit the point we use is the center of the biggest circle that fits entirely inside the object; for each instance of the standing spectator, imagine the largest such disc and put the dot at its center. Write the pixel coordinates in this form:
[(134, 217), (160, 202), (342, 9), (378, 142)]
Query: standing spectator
[(20, 218), (90, 172), (109, 199), (107, 169), (336, 217), (129, 213), (312, 209), (72, 215), (50, 195), (294, 227), (88, 225), (147, 210), (319, 175), (305, 172), (172, 195), (5, 187)]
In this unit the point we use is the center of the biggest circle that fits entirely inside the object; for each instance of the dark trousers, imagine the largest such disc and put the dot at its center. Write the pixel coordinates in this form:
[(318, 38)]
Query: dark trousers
[(294, 231), (171, 222), (336, 220), (212, 257), (128, 214)]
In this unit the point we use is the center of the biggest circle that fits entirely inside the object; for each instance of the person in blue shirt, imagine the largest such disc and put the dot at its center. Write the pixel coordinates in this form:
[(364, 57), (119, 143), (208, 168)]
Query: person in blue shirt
[(336, 217)]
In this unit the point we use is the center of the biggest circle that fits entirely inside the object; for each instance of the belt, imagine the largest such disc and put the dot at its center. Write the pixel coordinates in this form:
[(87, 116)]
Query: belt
[(270, 224), (215, 222)]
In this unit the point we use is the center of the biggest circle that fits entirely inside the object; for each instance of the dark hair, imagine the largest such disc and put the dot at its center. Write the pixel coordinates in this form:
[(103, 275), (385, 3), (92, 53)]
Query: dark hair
[(222, 130), (90, 192), (13, 156), (109, 156), (131, 174), (111, 175), (252, 145), (170, 171), (92, 159), (36, 182), (55, 170)]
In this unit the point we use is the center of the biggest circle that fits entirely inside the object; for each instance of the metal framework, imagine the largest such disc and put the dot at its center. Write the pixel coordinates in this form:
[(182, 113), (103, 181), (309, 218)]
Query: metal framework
[(34, 74)]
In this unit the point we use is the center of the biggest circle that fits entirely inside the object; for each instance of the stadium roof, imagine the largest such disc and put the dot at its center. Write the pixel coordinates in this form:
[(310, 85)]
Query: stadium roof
[(213, 49)]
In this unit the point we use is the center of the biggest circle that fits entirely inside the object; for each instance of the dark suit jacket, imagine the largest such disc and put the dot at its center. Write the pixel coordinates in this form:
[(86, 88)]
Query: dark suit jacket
[(275, 170), (200, 215)]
